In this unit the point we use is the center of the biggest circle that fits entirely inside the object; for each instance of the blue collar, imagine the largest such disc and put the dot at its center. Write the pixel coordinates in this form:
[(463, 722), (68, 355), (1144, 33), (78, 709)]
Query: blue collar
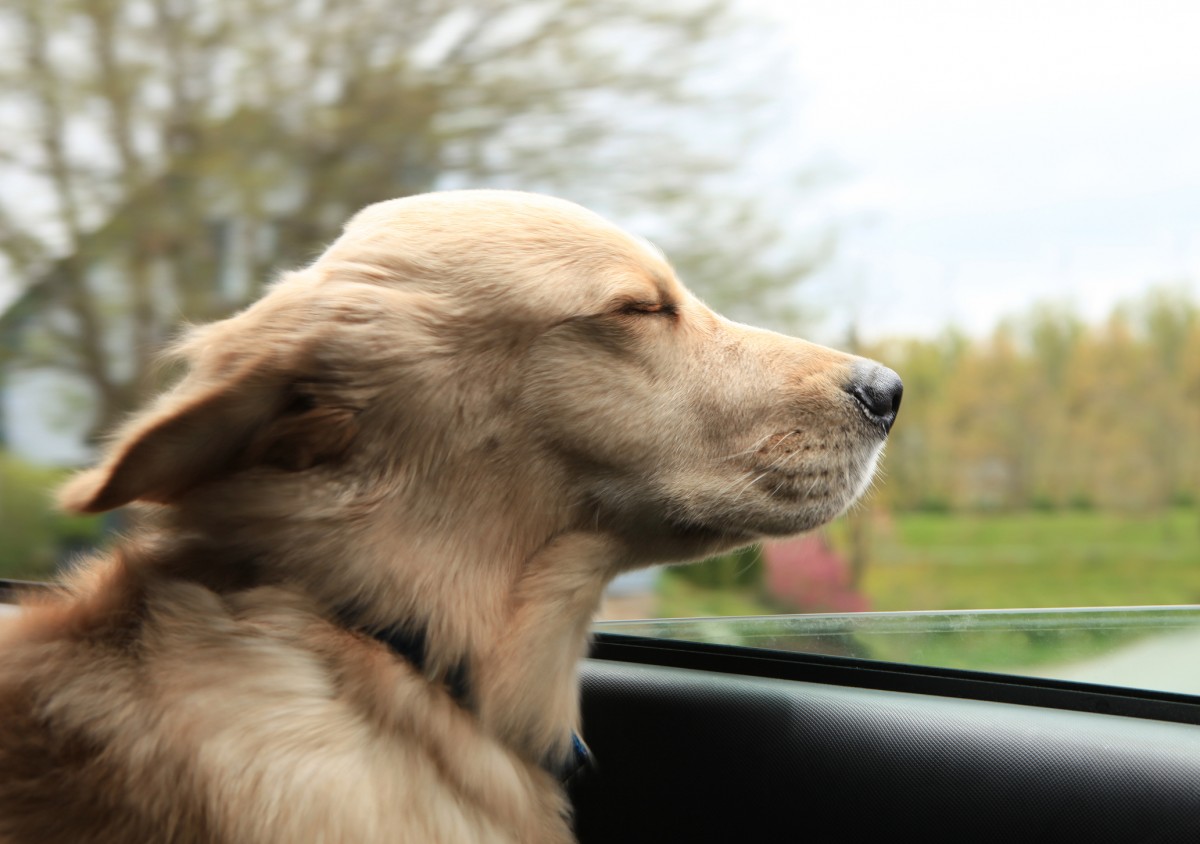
[(580, 760), (410, 644)]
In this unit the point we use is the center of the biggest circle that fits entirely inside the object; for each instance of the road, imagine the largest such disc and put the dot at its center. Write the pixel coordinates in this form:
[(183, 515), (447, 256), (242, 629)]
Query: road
[(1170, 662)]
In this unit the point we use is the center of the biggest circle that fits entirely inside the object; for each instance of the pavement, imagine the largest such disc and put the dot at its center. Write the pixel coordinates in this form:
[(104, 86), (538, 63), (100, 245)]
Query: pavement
[(1170, 663)]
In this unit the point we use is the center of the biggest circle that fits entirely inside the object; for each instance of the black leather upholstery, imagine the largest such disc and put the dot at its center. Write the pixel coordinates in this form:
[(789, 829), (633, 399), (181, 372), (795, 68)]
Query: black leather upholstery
[(686, 756)]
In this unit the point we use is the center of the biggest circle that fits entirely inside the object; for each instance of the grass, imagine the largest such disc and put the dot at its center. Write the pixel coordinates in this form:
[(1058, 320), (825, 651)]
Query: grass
[(1027, 560), (997, 650), (951, 561), (959, 561)]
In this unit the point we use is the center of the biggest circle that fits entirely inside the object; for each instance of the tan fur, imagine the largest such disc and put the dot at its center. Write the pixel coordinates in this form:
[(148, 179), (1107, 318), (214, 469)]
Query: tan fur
[(468, 415)]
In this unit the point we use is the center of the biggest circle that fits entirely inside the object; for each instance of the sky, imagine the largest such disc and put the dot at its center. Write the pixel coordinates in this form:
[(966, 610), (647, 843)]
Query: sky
[(994, 155)]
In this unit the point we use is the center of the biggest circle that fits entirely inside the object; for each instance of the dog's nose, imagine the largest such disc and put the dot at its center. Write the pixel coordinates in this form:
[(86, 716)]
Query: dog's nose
[(878, 390)]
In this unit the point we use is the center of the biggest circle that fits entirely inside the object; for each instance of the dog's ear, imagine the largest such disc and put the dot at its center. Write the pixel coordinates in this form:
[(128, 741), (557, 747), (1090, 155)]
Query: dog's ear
[(207, 429)]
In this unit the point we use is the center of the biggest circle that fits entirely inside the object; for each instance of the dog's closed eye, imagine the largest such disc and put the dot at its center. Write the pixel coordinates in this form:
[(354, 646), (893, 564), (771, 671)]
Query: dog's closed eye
[(649, 307)]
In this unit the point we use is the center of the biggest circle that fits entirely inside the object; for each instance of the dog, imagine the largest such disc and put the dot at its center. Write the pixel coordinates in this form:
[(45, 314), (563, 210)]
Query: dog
[(375, 518)]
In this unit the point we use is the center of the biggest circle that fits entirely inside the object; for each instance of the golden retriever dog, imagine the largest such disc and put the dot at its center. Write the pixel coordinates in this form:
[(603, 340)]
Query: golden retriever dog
[(375, 518)]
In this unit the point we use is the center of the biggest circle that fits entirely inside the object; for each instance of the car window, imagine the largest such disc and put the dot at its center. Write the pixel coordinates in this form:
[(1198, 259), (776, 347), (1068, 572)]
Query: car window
[(1000, 203)]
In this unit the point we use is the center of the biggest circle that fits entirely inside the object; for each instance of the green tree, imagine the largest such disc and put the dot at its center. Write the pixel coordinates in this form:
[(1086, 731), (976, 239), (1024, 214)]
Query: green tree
[(1168, 320), (1050, 412), (918, 469)]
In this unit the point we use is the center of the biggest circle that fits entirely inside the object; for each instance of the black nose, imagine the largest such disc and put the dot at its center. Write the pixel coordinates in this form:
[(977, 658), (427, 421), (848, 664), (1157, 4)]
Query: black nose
[(878, 390)]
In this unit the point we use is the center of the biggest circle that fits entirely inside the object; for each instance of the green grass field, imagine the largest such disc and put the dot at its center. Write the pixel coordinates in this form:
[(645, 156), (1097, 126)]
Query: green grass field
[(955, 561), (1002, 561), (1064, 559)]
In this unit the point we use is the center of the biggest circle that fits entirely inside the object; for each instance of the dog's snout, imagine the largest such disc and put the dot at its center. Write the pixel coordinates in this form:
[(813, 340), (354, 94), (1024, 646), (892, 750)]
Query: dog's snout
[(878, 389)]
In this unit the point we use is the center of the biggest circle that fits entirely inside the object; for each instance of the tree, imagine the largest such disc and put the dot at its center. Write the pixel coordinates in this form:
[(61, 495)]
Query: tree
[(172, 154), (1051, 412)]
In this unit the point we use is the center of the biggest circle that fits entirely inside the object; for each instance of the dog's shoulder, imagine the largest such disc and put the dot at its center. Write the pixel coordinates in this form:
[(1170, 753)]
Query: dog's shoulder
[(135, 709), (68, 671)]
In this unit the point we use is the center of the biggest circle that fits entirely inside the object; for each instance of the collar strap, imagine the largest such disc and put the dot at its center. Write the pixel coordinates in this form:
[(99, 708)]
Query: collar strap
[(579, 761), (410, 644)]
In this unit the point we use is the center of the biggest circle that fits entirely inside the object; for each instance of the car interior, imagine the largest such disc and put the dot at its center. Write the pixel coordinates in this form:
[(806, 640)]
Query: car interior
[(700, 742)]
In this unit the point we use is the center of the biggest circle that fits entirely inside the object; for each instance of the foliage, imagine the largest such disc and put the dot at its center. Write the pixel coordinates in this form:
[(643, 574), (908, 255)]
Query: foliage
[(679, 597), (35, 540), (729, 584), (1049, 413), (739, 570)]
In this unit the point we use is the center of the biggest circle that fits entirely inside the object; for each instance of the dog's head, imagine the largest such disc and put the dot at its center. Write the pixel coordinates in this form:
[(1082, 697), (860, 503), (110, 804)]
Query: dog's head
[(512, 361)]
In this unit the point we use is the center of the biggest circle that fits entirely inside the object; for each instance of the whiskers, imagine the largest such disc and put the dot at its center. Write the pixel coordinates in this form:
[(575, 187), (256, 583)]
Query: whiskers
[(763, 446), (837, 474), (873, 473), (756, 447)]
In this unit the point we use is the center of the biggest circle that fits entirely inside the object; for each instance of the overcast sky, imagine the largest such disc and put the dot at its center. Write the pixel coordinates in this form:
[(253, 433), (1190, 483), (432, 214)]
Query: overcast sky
[(994, 154)]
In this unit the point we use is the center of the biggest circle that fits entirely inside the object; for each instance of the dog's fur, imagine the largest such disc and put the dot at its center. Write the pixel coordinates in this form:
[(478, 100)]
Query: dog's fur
[(462, 420)]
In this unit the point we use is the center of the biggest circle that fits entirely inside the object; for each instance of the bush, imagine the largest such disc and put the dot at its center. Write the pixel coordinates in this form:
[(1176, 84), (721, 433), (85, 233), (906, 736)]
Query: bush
[(1183, 498), (34, 538), (1082, 502), (738, 570), (933, 504), (1042, 503), (805, 574)]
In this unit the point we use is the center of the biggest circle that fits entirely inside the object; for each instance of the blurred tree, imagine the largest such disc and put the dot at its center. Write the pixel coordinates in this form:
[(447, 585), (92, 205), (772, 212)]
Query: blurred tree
[(1049, 412), (1189, 384), (918, 468), (1167, 319), (170, 154), (989, 423), (740, 260), (1051, 334), (1054, 333)]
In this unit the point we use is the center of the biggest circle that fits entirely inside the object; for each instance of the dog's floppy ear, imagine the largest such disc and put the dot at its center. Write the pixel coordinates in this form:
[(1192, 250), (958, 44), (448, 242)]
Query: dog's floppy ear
[(256, 415)]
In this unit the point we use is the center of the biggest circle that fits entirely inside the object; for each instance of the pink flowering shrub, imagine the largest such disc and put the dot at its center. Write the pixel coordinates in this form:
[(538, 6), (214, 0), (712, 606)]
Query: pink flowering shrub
[(807, 575)]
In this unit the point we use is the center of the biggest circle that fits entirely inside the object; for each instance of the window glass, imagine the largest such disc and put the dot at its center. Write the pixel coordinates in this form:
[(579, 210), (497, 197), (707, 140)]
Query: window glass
[(1134, 647), (1002, 203)]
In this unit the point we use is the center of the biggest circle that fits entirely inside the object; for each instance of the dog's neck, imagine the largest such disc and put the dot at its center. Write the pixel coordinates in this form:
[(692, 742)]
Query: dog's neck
[(520, 680), (527, 680), (502, 621)]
